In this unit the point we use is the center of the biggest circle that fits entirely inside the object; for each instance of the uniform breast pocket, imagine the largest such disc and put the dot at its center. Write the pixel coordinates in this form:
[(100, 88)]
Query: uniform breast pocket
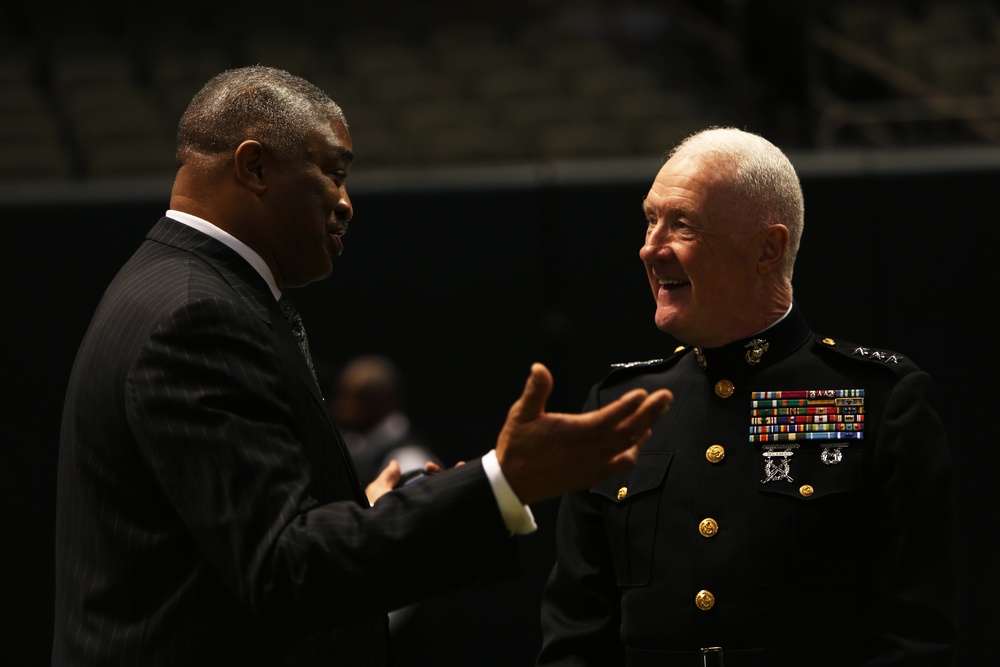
[(809, 514), (808, 472), (632, 503)]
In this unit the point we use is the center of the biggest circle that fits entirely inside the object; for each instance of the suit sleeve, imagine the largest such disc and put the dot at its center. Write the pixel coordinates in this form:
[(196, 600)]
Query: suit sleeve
[(240, 451), (581, 614), (914, 618)]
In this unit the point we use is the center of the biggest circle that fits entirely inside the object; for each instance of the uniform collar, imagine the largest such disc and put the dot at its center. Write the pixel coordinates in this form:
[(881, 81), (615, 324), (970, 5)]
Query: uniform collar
[(761, 350)]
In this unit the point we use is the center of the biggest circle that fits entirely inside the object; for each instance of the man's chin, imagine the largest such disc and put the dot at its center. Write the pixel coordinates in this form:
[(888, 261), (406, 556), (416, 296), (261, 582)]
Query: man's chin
[(321, 273), (671, 325), (666, 326), (665, 318)]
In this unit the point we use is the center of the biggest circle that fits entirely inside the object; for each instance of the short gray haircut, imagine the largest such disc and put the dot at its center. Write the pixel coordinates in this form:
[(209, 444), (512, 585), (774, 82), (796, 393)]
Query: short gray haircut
[(759, 175), (265, 104)]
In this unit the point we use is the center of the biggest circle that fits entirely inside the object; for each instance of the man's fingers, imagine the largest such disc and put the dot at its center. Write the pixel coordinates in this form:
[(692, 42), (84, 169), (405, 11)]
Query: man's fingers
[(384, 482), (626, 459), (390, 473), (537, 389), (654, 407), (636, 411), (620, 409)]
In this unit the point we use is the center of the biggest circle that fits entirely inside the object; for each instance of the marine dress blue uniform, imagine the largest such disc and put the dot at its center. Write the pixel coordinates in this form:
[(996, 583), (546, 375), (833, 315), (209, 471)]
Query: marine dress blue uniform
[(814, 527)]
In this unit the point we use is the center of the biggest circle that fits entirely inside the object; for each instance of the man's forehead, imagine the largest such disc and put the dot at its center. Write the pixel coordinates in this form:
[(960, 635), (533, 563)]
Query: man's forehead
[(674, 188), (336, 142)]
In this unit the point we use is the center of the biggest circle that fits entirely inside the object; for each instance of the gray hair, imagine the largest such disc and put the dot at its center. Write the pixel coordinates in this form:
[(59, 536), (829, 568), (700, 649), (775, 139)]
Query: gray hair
[(269, 105), (760, 177)]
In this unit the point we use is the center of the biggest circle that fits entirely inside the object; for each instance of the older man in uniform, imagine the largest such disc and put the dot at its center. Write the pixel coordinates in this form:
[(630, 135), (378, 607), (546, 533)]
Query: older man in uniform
[(795, 507)]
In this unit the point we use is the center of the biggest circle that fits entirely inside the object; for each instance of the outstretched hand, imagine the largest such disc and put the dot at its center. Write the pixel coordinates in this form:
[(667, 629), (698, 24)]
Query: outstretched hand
[(546, 454)]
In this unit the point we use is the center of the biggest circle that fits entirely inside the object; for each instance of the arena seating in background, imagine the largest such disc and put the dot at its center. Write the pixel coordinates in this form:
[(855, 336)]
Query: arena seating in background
[(85, 97)]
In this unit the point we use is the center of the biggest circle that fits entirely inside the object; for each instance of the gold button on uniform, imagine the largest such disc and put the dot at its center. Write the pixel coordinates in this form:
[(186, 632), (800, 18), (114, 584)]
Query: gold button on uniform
[(715, 453), (708, 527), (704, 600), (806, 490), (724, 388), (622, 492)]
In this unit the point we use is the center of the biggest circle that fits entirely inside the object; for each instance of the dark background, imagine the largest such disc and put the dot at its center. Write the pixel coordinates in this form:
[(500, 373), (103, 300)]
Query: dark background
[(466, 281)]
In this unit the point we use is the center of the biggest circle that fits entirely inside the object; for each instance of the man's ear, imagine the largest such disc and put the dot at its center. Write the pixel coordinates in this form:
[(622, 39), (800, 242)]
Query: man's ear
[(773, 249), (249, 163)]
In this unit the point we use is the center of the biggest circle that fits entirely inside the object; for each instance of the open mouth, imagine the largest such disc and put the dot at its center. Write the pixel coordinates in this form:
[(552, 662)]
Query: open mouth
[(336, 243), (335, 232), (671, 283)]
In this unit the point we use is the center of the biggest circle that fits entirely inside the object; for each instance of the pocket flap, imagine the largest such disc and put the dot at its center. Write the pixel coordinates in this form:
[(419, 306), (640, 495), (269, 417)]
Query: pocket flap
[(647, 475)]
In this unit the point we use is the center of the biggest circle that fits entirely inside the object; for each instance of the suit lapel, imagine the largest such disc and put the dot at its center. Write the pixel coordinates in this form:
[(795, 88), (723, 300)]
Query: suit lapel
[(254, 290), (235, 270), (244, 280)]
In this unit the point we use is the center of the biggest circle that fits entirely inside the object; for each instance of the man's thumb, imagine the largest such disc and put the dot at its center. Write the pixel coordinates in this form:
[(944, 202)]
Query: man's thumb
[(536, 392)]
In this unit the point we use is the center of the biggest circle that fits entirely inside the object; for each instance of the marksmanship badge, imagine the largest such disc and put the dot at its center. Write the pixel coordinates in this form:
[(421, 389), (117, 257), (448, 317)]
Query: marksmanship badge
[(778, 463)]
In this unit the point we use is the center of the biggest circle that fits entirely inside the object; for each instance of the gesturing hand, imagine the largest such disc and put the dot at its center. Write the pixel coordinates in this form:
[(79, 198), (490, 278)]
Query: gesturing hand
[(390, 478), (384, 483), (544, 454)]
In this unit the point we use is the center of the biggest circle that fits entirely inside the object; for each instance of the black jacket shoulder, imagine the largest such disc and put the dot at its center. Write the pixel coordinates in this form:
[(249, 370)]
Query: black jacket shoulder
[(865, 354), (630, 370)]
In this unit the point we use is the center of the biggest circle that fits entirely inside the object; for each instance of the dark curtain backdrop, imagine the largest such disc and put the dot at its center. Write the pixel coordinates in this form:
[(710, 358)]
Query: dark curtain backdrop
[(467, 285)]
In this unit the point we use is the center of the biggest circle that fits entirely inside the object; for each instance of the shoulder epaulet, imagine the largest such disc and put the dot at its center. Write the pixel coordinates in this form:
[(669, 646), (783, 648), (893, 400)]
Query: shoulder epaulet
[(648, 363), (863, 353)]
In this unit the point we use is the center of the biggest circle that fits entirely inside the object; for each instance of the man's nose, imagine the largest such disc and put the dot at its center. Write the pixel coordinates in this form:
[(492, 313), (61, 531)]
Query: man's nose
[(344, 211), (656, 243)]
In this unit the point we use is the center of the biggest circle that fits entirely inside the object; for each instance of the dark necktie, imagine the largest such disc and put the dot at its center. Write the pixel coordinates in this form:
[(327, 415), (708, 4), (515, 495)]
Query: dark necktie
[(291, 313)]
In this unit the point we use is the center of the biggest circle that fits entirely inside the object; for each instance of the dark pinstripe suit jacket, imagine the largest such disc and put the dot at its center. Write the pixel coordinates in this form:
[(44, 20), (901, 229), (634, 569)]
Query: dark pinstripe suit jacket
[(208, 512)]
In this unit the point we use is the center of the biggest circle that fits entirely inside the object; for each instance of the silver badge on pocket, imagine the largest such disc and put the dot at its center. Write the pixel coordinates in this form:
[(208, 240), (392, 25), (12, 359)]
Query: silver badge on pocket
[(778, 462), (831, 456)]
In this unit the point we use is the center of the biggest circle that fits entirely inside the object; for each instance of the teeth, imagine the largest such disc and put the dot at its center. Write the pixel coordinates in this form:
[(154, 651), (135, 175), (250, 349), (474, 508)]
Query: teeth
[(671, 282)]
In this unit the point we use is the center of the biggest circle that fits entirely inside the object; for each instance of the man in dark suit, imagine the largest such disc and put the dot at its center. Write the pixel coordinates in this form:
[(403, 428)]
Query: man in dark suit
[(796, 505), (208, 512)]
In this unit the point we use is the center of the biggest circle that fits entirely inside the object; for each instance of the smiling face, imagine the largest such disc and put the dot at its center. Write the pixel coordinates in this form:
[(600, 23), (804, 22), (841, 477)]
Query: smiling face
[(700, 255), (308, 206)]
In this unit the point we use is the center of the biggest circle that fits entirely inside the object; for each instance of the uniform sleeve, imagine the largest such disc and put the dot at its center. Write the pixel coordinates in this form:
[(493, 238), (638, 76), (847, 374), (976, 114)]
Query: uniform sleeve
[(581, 613), (914, 618), (580, 605)]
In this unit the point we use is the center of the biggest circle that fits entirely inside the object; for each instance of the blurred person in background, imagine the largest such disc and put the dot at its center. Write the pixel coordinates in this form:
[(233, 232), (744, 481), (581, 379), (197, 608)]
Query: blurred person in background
[(366, 400)]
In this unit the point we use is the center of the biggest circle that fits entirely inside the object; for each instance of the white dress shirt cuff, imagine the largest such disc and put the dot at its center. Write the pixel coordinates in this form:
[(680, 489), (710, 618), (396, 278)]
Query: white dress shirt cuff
[(518, 517)]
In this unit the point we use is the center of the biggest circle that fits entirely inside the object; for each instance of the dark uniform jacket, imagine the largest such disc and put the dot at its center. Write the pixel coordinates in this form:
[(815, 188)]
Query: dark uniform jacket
[(208, 512), (753, 529)]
